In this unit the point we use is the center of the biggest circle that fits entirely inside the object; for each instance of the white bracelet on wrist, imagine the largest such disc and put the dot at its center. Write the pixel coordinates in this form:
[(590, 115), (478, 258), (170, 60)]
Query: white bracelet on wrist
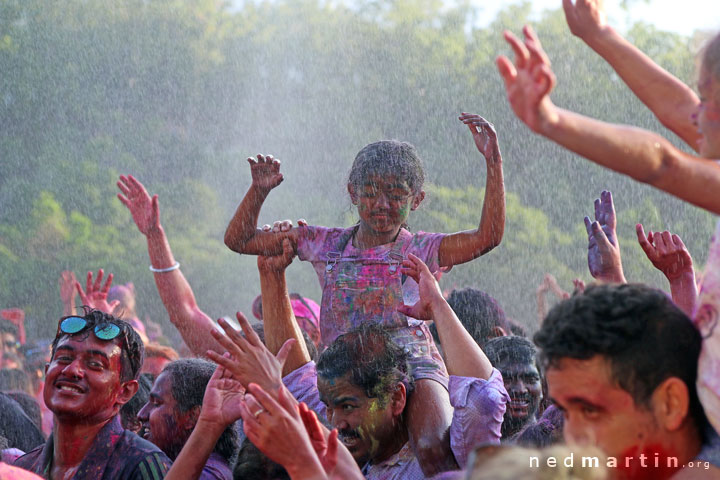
[(165, 270)]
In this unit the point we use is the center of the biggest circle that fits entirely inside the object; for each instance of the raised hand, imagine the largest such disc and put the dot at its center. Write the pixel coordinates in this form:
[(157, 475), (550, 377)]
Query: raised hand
[(604, 259), (484, 134), (265, 172), (429, 289), (277, 263), (250, 360), (67, 287), (223, 394), (666, 251), (145, 210), (95, 294), (529, 81), (275, 427), (586, 18)]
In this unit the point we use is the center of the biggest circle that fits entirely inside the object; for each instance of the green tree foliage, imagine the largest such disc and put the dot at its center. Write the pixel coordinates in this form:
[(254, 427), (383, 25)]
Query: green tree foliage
[(179, 93)]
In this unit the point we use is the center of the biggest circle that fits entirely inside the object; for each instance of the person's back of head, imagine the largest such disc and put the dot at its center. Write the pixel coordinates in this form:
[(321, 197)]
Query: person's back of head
[(252, 463), (480, 314), (129, 411), (189, 378), (643, 335), (17, 427), (29, 405), (14, 380)]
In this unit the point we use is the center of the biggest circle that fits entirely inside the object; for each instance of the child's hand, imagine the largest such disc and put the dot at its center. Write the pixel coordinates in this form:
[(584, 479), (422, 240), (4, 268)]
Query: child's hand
[(277, 263), (529, 81), (586, 18), (484, 134), (430, 291), (265, 172), (666, 251)]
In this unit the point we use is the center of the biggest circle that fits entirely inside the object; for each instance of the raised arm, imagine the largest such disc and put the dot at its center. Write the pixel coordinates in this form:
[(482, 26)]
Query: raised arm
[(667, 252), (464, 246), (242, 234), (672, 102), (279, 320), (604, 259), (175, 291), (465, 358), (638, 153)]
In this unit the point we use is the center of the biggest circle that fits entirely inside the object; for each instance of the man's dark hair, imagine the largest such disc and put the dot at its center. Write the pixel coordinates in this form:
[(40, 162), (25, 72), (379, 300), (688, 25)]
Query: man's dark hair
[(514, 349), (6, 326), (373, 360), (17, 427), (478, 312), (14, 380), (189, 378), (643, 335), (129, 411), (252, 463), (132, 347)]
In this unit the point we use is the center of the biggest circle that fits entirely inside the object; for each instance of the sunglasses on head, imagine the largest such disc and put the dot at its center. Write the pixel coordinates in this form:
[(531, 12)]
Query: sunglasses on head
[(103, 331)]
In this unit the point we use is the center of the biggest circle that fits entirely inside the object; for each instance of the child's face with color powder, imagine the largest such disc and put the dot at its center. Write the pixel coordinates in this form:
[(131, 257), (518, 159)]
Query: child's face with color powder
[(384, 202), (708, 115)]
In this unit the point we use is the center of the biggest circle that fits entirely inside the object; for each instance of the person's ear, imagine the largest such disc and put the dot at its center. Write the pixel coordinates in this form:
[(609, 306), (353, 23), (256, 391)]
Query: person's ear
[(190, 417), (127, 391), (399, 399), (353, 194), (498, 331), (417, 200), (671, 403)]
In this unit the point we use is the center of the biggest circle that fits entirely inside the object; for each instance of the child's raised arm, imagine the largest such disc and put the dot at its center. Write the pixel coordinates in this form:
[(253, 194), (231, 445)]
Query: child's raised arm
[(464, 246), (242, 234), (672, 102), (638, 153)]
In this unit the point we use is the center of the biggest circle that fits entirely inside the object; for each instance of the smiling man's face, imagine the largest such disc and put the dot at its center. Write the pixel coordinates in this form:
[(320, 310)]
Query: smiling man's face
[(82, 379)]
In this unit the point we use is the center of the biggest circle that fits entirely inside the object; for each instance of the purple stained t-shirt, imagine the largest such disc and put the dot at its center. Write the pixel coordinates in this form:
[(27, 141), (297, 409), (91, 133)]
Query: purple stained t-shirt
[(314, 244)]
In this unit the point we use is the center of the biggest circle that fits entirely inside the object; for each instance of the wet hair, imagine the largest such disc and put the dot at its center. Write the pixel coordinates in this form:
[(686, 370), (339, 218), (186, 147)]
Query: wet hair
[(29, 405), (14, 379), (17, 427), (189, 378), (388, 157), (6, 326), (516, 328), (132, 348), (370, 357), (644, 336), (513, 349), (478, 312), (252, 463), (129, 411), (710, 55)]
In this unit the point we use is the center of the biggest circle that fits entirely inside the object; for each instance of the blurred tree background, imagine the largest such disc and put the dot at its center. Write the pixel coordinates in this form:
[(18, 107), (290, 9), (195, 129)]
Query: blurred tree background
[(179, 93)]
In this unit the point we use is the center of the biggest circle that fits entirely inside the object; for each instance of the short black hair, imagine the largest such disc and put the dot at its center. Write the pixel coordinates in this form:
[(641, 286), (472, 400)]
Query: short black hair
[(373, 360), (510, 348), (478, 312), (189, 378), (132, 349), (645, 337)]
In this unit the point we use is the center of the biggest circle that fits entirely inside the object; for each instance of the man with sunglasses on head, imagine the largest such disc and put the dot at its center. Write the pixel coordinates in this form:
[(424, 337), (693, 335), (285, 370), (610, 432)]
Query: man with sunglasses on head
[(92, 373)]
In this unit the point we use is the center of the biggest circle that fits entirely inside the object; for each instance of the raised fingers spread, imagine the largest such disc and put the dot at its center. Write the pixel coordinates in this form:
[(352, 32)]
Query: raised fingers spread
[(532, 43), (266, 401), (521, 52), (643, 241), (588, 225), (235, 348), (251, 161), (108, 283)]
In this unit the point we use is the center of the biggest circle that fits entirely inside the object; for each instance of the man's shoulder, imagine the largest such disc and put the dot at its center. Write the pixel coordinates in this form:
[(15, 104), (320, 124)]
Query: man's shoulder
[(30, 461), (141, 458)]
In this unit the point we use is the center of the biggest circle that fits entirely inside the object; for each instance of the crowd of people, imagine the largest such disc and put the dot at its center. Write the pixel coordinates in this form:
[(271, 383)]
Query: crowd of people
[(387, 377)]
